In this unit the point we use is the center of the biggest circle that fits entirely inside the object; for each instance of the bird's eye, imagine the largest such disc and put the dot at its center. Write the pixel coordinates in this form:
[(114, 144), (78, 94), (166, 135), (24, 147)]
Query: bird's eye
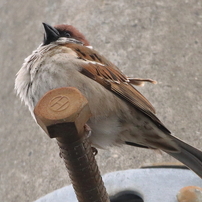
[(67, 34)]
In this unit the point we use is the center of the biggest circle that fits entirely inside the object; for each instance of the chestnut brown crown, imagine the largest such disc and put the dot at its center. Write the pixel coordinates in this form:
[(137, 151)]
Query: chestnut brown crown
[(63, 30), (74, 33)]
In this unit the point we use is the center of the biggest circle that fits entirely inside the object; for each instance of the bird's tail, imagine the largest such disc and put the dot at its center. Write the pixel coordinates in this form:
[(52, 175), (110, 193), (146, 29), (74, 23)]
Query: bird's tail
[(189, 156)]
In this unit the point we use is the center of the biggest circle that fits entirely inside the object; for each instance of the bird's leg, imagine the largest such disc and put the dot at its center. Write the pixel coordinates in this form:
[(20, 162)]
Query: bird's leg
[(87, 129)]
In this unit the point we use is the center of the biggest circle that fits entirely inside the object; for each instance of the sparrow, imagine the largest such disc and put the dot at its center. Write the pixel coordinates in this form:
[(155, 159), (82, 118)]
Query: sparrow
[(120, 113)]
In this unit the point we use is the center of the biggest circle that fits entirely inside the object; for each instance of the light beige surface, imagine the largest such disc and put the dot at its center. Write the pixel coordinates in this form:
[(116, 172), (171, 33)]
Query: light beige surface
[(157, 39)]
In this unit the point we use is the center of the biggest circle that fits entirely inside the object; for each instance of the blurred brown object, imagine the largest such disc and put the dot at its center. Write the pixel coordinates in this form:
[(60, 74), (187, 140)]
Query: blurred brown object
[(190, 194)]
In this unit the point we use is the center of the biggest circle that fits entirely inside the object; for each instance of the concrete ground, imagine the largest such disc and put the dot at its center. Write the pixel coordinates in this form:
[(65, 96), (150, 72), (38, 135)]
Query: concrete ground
[(158, 39)]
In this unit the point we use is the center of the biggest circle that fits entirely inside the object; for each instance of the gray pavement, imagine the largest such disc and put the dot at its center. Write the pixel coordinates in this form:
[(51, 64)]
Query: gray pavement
[(158, 39)]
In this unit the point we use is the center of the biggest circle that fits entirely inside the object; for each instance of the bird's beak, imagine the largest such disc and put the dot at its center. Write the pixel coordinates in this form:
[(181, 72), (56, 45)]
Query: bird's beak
[(51, 34)]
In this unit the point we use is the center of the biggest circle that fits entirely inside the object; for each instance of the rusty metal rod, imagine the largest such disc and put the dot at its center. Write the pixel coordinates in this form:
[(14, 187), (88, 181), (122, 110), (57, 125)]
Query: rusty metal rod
[(62, 113)]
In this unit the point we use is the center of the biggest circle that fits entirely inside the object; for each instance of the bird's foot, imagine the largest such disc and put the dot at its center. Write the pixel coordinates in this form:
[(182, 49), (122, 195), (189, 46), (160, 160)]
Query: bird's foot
[(95, 151), (87, 130)]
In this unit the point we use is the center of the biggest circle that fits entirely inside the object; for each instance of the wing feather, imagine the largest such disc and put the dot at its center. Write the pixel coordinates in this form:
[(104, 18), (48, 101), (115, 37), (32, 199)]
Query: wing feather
[(107, 74)]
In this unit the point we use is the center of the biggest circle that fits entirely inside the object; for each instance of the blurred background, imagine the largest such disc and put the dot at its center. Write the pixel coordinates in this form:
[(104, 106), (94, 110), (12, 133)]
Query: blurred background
[(158, 39)]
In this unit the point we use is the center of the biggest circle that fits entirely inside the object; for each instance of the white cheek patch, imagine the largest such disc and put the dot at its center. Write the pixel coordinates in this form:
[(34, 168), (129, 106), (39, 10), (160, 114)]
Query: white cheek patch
[(64, 40)]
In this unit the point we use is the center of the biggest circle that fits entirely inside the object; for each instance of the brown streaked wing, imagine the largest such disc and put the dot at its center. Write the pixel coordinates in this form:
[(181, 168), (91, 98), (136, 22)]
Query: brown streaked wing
[(108, 75), (129, 93), (132, 95), (104, 68)]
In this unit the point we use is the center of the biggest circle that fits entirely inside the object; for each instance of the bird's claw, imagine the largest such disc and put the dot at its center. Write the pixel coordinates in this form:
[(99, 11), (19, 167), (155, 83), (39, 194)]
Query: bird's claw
[(95, 151), (87, 130)]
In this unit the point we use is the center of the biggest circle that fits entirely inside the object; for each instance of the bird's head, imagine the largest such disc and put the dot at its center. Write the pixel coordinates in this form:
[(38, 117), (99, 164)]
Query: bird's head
[(52, 34)]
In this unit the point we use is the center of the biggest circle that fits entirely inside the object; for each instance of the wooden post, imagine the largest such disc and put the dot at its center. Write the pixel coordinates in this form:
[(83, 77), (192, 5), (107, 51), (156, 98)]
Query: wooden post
[(62, 113)]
